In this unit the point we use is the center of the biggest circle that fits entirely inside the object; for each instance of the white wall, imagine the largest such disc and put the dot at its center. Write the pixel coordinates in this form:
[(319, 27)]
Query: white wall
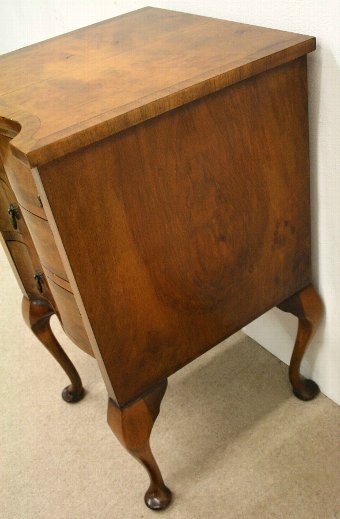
[(23, 22)]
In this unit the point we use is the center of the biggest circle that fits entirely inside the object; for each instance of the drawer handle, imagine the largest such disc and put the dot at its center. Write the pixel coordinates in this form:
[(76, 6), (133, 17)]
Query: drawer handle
[(39, 279), (14, 215)]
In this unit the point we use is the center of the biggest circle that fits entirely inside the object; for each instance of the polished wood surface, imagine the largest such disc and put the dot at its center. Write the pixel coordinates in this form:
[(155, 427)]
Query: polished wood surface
[(307, 306), (155, 174), (68, 312), (44, 243), (19, 176), (23, 261), (132, 426), (80, 87), (27, 262), (6, 198), (37, 314), (179, 219), (38, 302)]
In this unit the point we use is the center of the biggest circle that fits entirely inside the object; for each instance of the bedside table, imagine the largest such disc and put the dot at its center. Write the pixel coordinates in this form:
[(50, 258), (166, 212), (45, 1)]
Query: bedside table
[(155, 196)]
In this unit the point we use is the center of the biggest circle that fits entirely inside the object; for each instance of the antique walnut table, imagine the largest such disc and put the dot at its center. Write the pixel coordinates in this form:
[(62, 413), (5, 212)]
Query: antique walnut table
[(155, 197)]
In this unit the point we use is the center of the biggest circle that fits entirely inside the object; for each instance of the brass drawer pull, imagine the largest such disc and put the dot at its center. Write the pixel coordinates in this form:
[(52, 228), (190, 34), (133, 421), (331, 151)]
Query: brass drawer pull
[(39, 279), (14, 215)]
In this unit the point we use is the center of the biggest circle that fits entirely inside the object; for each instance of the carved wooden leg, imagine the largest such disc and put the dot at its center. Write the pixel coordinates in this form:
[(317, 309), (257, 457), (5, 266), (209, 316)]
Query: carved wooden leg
[(307, 306), (133, 425), (37, 314)]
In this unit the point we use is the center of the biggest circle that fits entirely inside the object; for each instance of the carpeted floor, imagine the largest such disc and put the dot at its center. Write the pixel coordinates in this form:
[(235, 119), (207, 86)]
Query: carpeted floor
[(231, 440)]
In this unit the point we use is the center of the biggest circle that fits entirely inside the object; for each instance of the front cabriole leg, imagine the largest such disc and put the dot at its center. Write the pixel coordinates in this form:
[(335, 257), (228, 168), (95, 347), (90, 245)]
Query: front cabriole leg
[(132, 425), (37, 314), (307, 306)]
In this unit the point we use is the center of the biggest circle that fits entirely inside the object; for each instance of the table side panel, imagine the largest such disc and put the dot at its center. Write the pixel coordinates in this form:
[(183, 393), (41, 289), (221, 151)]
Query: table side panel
[(183, 229)]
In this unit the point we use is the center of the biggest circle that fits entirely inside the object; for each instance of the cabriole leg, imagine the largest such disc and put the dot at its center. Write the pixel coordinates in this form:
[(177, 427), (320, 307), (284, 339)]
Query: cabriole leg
[(132, 425), (307, 306), (37, 314)]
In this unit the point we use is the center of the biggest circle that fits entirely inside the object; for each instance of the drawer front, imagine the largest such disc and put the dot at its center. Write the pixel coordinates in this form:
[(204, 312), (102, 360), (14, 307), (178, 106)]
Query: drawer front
[(7, 199), (69, 315), (21, 180), (44, 243), (3, 144), (27, 271)]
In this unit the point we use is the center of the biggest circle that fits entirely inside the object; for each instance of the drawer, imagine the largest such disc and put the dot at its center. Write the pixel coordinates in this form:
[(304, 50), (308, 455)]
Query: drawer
[(26, 270), (43, 240), (21, 180), (3, 175), (3, 146), (69, 314), (7, 198)]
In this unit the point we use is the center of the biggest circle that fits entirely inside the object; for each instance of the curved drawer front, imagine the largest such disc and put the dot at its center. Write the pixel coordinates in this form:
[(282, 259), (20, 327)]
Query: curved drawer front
[(21, 180), (69, 314), (27, 271), (3, 144), (6, 199), (4, 139), (44, 242)]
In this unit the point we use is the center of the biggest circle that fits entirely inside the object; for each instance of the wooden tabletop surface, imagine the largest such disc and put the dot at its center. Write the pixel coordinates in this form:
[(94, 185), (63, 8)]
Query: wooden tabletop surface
[(80, 87)]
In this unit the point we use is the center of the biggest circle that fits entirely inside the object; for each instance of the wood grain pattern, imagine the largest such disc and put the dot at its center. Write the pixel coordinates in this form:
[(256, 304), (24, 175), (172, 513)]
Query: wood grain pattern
[(24, 265), (198, 209), (18, 242), (80, 87), (20, 245), (38, 303), (68, 313), (20, 179), (44, 243), (6, 198), (170, 152)]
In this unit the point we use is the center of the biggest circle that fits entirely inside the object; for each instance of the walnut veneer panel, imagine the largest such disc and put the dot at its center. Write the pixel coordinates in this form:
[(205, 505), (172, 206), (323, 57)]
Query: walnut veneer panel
[(44, 242), (160, 161), (27, 255), (69, 315), (19, 176), (82, 86), (188, 226), (6, 198), (24, 265)]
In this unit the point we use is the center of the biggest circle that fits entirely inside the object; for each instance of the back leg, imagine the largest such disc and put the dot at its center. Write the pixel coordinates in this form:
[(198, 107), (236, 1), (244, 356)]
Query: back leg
[(307, 306)]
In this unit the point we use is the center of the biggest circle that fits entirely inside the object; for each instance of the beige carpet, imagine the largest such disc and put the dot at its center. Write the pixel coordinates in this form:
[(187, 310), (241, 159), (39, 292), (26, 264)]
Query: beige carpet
[(231, 440)]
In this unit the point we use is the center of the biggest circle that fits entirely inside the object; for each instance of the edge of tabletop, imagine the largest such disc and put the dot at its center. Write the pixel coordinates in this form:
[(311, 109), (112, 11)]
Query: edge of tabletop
[(34, 153)]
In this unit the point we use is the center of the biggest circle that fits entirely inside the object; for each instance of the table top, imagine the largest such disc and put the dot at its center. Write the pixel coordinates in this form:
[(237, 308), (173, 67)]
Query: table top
[(80, 87)]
